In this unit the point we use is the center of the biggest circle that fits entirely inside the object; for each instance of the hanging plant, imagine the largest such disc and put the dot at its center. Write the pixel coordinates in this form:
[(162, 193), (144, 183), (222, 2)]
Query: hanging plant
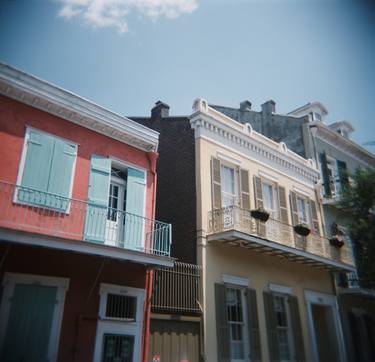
[(260, 214), (336, 241), (302, 229)]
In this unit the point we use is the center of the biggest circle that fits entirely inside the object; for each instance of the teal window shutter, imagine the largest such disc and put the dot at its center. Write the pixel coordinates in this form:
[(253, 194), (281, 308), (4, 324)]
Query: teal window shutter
[(47, 173), (96, 213), (34, 182), (135, 205), (59, 184)]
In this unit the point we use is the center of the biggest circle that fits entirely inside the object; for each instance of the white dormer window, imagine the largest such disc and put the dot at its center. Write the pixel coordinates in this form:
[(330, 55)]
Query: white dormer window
[(317, 117)]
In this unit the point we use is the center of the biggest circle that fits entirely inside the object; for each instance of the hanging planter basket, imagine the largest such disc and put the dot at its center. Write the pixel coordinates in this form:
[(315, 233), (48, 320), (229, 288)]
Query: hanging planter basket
[(260, 214), (336, 241), (302, 229)]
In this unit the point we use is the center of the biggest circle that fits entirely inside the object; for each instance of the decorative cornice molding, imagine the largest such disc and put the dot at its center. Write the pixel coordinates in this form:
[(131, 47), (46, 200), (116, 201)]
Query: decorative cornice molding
[(253, 145), (39, 94), (344, 145)]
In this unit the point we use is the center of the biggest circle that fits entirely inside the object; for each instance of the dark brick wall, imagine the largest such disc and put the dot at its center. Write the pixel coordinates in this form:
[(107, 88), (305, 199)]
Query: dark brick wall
[(176, 196)]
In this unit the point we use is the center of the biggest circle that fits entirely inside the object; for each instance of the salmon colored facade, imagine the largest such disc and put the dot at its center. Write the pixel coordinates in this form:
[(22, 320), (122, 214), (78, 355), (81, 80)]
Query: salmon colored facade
[(77, 262)]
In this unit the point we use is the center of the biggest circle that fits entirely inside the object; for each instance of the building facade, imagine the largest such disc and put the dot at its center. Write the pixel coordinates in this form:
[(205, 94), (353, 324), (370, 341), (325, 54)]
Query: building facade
[(78, 235)]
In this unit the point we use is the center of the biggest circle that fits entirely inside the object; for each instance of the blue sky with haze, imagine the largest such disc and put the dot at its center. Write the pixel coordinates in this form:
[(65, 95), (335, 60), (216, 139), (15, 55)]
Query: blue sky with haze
[(223, 50)]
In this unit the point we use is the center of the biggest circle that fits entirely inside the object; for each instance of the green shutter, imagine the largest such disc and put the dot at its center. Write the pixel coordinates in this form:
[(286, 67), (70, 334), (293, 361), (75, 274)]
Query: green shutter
[(245, 189), (96, 213), (222, 330), (343, 173), (29, 324), (325, 174), (135, 206), (64, 155), (296, 328), (271, 323), (216, 183), (36, 170), (253, 325)]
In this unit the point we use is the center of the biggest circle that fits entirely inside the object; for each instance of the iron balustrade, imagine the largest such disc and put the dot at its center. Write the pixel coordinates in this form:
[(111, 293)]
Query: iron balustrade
[(39, 212), (177, 289), (235, 218)]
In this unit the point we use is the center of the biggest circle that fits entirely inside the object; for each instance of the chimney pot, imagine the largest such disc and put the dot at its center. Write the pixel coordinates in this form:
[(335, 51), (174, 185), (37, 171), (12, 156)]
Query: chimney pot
[(245, 105), (269, 107)]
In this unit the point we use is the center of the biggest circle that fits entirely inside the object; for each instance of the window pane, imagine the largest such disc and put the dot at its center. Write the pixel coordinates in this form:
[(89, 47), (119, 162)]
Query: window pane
[(227, 179), (118, 348), (121, 306), (268, 198), (301, 207)]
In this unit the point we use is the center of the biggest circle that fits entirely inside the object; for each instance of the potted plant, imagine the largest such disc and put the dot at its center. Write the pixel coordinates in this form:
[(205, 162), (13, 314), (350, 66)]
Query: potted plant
[(336, 240), (260, 214), (302, 229)]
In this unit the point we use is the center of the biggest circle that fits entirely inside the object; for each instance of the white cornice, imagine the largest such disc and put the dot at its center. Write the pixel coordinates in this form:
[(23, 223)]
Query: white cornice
[(253, 145), (343, 144), (37, 93)]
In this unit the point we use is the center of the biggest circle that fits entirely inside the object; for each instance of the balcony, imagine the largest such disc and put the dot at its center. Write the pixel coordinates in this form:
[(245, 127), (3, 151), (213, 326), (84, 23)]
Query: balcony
[(177, 289), (235, 226), (70, 220)]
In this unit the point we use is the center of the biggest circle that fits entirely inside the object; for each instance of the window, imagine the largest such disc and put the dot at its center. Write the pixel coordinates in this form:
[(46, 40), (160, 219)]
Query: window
[(283, 327), (236, 324), (302, 208), (119, 330), (229, 186), (46, 171), (270, 202)]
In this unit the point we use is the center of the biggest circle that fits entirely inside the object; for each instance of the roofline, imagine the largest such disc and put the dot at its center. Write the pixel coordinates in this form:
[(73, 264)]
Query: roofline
[(38, 93), (309, 104)]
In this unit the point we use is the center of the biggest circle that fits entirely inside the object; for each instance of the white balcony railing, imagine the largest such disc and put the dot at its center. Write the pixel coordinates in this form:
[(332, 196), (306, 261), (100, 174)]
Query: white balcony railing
[(33, 211), (235, 218)]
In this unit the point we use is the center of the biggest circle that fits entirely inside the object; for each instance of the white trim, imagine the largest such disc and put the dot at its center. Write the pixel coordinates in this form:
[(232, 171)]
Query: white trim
[(62, 284), (226, 158), (107, 325), (328, 300), (49, 98), (278, 288), (21, 167), (301, 192), (267, 176), (235, 280), (85, 247)]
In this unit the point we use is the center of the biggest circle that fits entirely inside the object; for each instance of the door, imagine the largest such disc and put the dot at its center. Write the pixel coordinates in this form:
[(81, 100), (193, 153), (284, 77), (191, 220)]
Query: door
[(116, 212), (28, 328)]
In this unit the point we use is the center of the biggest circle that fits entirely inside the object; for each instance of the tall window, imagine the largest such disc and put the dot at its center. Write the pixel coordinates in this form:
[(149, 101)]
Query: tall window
[(229, 186), (270, 202), (283, 327), (302, 208), (239, 348)]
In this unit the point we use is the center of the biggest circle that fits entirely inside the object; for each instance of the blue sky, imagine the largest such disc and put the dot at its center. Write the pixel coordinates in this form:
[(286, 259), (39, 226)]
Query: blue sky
[(291, 51)]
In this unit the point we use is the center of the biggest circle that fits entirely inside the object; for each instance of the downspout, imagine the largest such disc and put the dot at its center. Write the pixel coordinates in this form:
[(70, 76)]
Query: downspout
[(152, 157)]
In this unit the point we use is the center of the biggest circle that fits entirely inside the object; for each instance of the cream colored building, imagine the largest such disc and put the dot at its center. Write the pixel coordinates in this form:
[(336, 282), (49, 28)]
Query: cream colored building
[(268, 293)]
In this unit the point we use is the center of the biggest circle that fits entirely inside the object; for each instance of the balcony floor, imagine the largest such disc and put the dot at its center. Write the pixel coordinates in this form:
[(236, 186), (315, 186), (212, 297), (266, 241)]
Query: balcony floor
[(84, 247), (238, 238)]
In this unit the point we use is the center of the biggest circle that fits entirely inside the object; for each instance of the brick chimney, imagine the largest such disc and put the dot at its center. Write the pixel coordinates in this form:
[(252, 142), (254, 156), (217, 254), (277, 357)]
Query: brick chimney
[(160, 110), (269, 107), (245, 105)]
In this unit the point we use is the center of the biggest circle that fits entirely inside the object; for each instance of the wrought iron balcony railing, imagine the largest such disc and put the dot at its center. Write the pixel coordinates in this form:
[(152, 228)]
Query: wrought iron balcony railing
[(177, 289), (235, 218), (44, 213)]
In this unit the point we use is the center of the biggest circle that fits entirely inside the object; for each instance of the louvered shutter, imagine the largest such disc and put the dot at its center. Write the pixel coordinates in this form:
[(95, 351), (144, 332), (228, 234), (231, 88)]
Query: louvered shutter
[(296, 328), (271, 323), (253, 325), (261, 227), (37, 168), (325, 174), (216, 183), (245, 189), (96, 213), (64, 156), (314, 215), (295, 220), (135, 205), (283, 207), (343, 173), (222, 330)]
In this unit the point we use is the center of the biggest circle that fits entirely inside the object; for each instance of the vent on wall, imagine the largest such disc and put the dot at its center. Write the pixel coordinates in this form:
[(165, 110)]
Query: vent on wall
[(121, 307)]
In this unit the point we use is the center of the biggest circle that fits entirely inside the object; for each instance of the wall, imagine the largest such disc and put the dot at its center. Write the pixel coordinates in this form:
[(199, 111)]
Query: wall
[(78, 330), (15, 116)]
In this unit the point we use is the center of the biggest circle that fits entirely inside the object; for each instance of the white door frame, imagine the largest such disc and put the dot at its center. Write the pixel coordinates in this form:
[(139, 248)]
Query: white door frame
[(327, 300), (62, 284), (115, 325)]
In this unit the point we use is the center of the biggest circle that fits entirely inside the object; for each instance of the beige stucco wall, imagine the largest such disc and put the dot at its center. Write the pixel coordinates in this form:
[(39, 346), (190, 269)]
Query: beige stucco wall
[(217, 259)]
